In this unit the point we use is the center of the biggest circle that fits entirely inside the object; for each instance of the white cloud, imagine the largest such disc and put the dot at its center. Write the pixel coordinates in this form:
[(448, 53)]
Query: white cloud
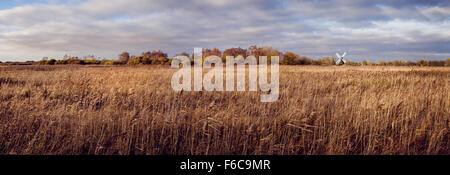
[(106, 28)]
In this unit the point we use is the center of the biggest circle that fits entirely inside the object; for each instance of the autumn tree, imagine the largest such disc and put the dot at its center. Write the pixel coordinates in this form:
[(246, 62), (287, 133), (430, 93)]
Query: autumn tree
[(182, 54), (264, 51), (153, 57), (235, 52), (216, 52), (124, 57)]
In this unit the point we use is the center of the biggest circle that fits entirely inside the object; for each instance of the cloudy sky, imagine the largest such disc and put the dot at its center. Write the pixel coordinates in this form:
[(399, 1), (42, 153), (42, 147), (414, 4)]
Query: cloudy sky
[(367, 29)]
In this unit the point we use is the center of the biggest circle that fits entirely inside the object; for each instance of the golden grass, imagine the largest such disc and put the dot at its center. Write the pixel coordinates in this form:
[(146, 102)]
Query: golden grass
[(133, 110)]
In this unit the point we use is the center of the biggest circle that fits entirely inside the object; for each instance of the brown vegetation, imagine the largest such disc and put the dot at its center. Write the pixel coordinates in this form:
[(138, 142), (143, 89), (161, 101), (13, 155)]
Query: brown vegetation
[(133, 110), (158, 57)]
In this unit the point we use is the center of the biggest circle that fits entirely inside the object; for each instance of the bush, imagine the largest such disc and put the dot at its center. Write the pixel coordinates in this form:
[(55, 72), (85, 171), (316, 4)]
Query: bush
[(47, 62), (352, 63), (92, 62), (436, 63), (326, 61), (366, 63), (160, 60), (141, 60), (112, 62), (294, 59)]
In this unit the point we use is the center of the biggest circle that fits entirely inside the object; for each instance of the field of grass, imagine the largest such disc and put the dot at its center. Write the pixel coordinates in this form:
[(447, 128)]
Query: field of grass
[(133, 110)]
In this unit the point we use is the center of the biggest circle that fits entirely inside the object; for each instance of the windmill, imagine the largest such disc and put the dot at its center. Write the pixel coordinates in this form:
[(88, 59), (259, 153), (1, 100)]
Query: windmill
[(340, 58)]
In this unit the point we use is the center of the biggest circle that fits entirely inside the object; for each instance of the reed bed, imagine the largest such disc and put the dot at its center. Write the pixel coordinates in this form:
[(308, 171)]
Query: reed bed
[(133, 110)]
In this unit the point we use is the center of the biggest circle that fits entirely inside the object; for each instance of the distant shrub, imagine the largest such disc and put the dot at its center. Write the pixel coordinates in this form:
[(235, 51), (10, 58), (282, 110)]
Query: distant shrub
[(398, 63), (160, 60), (154, 57), (410, 63), (47, 62), (326, 61), (352, 63), (112, 62), (42, 62), (436, 63), (73, 60), (294, 59), (61, 61), (139, 60), (366, 63), (422, 63), (92, 61)]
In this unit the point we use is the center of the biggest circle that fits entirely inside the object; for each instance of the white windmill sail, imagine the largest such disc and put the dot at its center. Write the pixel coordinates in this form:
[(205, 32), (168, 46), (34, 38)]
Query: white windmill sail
[(345, 53), (340, 59)]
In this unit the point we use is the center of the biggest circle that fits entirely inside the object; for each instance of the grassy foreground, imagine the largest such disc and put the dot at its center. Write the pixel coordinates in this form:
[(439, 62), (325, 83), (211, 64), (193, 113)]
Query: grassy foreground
[(133, 110)]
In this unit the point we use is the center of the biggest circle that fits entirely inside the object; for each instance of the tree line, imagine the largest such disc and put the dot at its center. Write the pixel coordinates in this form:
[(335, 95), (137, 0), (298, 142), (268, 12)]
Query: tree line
[(158, 57)]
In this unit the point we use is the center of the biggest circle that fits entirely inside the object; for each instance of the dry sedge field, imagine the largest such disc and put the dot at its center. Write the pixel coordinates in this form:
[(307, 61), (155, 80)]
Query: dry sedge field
[(133, 110)]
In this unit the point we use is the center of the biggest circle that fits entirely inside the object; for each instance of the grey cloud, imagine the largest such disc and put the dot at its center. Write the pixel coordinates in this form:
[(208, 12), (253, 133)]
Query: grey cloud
[(311, 28)]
